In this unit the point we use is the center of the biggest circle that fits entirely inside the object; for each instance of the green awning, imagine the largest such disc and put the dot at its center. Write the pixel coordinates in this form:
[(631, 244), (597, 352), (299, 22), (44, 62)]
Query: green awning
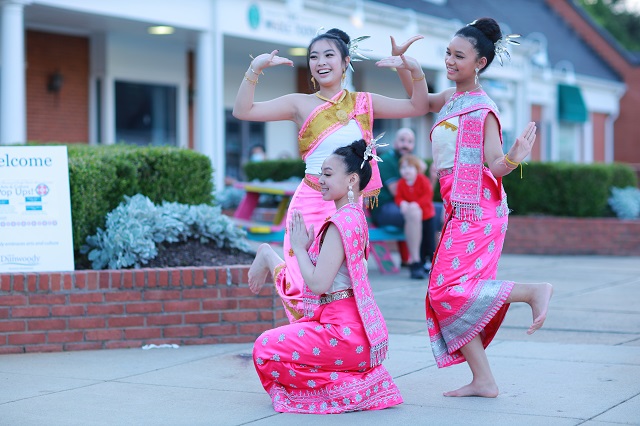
[(571, 106)]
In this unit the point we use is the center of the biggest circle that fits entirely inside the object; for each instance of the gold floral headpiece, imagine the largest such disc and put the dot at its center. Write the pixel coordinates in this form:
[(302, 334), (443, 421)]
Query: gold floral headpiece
[(368, 152)]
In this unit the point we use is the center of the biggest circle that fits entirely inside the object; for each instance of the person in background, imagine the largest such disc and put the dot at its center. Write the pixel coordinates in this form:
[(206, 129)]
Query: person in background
[(327, 119), (257, 153), (465, 302), (388, 213), (330, 360), (414, 192)]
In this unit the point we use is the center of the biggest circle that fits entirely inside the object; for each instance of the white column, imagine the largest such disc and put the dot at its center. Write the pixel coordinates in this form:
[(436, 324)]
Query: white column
[(209, 93), (442, 82), (609, 137), (218, 117), (13, 121), (205, 113)]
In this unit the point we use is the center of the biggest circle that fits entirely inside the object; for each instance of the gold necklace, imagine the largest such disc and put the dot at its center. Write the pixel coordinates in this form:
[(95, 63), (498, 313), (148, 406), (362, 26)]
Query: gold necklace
[(452, 100), (341, 114)]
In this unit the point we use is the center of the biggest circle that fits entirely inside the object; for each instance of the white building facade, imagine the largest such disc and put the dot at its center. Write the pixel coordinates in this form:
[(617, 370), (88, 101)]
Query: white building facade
[(178, 89)]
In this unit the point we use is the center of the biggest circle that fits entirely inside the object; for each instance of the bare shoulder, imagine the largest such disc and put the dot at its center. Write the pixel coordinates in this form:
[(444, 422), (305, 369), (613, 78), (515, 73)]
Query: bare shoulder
[(306, 104), (437, 100)]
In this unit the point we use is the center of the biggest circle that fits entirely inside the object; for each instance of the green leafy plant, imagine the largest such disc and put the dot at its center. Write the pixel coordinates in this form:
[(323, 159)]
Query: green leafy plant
[(100, 176), (136, 226), (625, 202)]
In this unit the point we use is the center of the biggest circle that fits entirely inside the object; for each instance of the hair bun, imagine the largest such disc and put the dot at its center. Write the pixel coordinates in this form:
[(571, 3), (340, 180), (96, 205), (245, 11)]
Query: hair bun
[(340, 34), (489, 27)]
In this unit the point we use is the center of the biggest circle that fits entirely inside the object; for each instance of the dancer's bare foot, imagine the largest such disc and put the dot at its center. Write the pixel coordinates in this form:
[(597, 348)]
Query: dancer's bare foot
[(539, 306), (484, 390), (260, 270)]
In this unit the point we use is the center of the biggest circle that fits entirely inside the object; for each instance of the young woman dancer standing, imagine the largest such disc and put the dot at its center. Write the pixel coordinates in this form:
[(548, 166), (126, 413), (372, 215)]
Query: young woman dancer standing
[(330, 118), (465, 303)]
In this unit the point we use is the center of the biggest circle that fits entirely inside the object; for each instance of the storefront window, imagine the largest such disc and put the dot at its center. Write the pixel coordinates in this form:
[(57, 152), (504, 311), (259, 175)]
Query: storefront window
[(568, 147), (240, 136), (146, 114)]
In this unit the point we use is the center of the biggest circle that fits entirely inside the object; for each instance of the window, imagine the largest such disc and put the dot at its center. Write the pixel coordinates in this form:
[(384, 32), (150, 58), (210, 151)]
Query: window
[(240, 136), (569, 135), (146, 114)]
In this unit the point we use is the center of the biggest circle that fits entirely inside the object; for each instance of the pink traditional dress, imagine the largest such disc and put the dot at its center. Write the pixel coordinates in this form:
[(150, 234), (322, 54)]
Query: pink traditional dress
[(464, 298), (330, 360), (328, 127)]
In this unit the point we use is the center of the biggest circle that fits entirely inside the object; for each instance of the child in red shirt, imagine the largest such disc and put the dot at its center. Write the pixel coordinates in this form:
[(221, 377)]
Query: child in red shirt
[(415, 187)]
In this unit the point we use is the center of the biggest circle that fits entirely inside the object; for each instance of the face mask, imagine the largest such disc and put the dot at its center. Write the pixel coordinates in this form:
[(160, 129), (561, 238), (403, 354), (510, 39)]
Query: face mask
[(257, 157)]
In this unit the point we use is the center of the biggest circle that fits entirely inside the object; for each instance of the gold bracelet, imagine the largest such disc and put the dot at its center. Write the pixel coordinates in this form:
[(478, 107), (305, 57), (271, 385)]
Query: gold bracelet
[(419, 78), (509, 162), (254, 82), (251, 68), (515, 165)]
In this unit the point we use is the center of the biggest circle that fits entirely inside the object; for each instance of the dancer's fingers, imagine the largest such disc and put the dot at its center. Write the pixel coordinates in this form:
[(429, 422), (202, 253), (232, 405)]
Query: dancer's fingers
[(397, 50)]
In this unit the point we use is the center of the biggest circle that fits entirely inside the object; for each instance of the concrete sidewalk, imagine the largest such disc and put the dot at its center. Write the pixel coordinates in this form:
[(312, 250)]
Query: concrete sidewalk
[(583, 367)]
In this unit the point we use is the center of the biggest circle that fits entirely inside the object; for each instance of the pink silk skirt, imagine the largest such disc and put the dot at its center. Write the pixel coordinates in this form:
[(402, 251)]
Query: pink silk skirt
[(465, 299), (315, 211), (321, 365)]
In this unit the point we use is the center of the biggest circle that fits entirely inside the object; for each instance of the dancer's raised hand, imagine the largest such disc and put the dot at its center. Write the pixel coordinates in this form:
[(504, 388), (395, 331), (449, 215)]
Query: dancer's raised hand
[(400, 62), (267, 60), (522, 147), (397, 50)]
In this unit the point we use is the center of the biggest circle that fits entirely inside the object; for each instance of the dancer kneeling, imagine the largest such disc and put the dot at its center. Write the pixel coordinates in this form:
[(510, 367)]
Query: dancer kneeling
[(329, 361)]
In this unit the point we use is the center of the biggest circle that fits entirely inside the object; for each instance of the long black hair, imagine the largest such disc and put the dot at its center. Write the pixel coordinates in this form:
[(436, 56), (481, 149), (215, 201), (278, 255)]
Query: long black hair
[(483, 34), (353, 156)]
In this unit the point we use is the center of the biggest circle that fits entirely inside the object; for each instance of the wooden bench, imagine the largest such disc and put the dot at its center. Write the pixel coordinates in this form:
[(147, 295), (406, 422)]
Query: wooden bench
[(379, 239)]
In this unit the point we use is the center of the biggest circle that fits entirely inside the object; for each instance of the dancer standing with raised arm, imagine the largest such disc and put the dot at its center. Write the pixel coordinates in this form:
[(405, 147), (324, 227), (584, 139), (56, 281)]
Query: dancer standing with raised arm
[(328, 119), (465, 303), (329, 361)]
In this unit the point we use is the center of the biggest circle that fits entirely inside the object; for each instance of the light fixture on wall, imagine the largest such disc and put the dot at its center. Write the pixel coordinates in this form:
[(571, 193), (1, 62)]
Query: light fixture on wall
[(160, 30), (55, 82), (298, 51), (357, 17)]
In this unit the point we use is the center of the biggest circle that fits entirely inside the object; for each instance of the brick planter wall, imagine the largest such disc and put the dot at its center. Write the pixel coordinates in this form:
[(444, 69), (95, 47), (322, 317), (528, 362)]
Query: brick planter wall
[(118, 309), (566, 235)]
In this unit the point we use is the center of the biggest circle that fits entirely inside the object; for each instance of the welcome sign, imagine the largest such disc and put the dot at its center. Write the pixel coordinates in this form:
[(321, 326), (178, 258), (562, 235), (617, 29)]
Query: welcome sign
[(35, 209)]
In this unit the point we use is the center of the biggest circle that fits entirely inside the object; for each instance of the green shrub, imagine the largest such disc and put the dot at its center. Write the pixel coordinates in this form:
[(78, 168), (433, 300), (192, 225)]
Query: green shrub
[(135, 228), (625, 202), (564, 189), (275, 170), (100, 177), (89, 181)]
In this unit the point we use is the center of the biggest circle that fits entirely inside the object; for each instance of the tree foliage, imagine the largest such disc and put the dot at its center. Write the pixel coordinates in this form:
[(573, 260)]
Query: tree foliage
[(621, 23)]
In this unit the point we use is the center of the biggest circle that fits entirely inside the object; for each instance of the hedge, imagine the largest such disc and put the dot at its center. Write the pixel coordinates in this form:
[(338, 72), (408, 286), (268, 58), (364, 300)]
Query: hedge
[(100, 177), (275, 170), (566, 189)]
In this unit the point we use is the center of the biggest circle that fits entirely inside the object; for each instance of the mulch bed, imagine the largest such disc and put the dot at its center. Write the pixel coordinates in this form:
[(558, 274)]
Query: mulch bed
[(194, 253)]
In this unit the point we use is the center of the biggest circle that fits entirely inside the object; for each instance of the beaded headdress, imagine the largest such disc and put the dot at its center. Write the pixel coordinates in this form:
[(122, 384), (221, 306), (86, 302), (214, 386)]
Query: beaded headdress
[(502, 44), (368, 152)]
